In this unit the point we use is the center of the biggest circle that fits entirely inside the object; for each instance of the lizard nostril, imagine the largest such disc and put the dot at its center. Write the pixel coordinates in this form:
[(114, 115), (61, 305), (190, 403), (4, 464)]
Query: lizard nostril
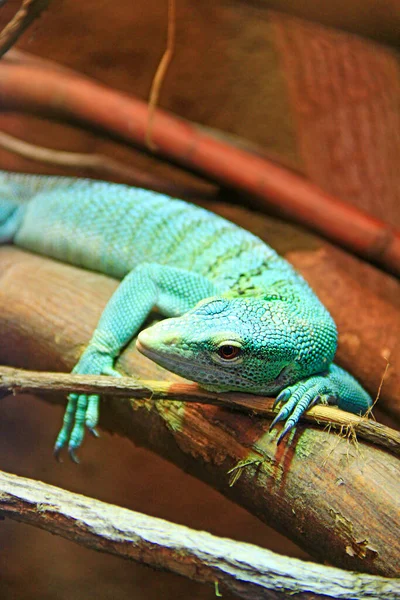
[(172, 341), (157, 339)]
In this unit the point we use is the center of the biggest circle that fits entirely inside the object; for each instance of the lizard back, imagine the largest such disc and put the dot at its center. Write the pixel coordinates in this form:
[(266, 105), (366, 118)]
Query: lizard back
[(112, 228)]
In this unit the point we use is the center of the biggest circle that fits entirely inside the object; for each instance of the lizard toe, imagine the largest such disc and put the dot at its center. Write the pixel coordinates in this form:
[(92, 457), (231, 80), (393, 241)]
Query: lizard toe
[(92, 414), (303, 396), (67, 426)]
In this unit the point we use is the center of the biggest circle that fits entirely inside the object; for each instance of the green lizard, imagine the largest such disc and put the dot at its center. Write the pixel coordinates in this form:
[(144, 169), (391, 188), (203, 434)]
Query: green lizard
[(241, 318)]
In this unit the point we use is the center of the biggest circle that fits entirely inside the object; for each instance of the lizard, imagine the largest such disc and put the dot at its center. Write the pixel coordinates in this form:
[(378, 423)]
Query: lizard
[(239, 317)]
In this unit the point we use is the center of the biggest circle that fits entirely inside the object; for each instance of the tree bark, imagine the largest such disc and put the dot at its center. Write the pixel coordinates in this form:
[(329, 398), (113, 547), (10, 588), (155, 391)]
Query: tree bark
[(246, 570), (15, 381), (338, 501)]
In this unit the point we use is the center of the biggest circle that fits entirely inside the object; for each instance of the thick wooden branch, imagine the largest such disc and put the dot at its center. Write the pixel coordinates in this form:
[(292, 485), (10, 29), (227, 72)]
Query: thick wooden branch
[(16, 381), (78, 99), (338, 501), (246, 570)]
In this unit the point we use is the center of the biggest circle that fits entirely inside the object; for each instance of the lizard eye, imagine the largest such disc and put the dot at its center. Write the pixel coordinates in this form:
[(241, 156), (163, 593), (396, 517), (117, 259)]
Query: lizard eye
[(229, 351)]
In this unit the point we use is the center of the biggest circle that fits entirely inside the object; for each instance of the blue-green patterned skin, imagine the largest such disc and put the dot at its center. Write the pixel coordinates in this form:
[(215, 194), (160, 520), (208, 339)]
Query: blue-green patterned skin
[(240, 318)]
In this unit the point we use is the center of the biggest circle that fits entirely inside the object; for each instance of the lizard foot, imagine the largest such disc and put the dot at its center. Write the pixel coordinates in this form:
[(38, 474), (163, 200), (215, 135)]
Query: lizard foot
[(299, 397), (335, 386), (83, 409)]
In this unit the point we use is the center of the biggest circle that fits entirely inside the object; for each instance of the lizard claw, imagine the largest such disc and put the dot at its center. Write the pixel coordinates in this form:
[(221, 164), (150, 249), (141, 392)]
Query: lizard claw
[(298, 398), (56, 452), (72, 455), (334, 386), (279, 417), (282, 397), (284, 431)]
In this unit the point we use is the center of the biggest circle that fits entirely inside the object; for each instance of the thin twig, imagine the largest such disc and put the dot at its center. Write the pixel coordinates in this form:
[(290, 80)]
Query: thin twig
[(103, 165), (160, 73), (29, 10), (246, 570), (18, 380)]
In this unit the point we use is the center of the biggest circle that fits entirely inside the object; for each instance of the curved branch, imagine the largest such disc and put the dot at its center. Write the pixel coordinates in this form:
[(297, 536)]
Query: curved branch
[(20, 381), (246, 570), (73, 97), (29, 10)]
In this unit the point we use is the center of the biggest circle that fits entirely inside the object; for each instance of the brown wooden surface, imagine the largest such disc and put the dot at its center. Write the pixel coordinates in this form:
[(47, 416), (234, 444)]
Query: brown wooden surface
[(21, 381), (338, 501)]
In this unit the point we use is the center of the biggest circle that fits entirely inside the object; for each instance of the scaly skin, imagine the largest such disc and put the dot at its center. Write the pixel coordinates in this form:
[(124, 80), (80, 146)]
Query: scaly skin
[(241, 318)]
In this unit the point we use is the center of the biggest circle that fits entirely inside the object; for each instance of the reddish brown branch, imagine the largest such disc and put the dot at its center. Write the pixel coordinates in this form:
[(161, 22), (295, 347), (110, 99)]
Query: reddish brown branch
[(76, 98)]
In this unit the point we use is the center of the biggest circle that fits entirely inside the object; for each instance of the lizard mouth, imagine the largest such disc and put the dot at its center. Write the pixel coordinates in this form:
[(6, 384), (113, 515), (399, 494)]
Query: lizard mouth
[(168, 362), (146, 351), (176, 365)]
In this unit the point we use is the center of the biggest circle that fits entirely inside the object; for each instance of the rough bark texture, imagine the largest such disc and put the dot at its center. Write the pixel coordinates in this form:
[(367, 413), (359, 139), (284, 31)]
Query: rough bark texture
[(16, 381), (337, 501), (248, 571)]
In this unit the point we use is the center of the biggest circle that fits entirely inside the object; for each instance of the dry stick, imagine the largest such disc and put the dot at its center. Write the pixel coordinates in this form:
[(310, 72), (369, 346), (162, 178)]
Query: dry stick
[(160, 73), (78, 99), (100, 163), (246, 570), (29, 10), (19, 380)]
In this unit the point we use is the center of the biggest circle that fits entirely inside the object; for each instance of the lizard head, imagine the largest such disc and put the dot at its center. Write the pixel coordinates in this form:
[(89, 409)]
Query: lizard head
[(242, 344)]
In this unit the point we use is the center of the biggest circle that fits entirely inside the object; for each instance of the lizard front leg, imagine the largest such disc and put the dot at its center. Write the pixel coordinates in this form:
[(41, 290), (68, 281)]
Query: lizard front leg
[(172, 290)]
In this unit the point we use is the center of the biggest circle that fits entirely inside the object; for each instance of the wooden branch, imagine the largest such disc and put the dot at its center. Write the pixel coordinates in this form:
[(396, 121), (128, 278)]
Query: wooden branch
[(35, 382), (246, 570), (101, 164), (339, 502), (78, 99), (29, 10)]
